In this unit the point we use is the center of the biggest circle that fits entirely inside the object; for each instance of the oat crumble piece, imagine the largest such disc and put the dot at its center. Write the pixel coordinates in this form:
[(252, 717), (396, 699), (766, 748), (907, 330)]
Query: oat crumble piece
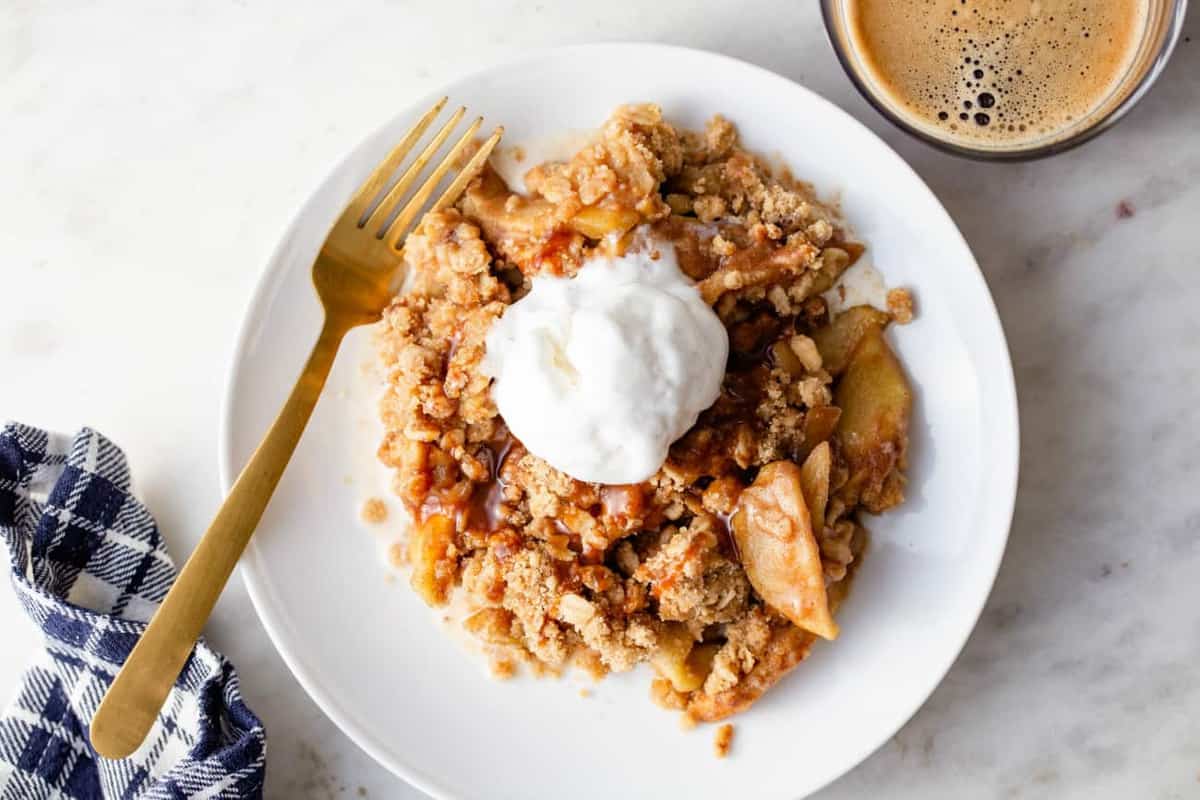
[(374, 511), (503, 669), (723, 740), (900, 305), (397, 554), (604, 578)]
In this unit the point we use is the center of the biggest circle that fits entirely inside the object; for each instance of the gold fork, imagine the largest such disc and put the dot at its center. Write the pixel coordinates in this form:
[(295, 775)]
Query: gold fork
[(355, 275)]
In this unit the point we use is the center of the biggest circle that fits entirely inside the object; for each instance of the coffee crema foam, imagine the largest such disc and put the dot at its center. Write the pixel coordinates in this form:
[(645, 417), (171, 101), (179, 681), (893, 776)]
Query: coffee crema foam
[(1002, 73)]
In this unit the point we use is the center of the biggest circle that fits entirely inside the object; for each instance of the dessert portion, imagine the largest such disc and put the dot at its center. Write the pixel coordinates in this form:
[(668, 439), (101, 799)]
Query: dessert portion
[(624, 422)]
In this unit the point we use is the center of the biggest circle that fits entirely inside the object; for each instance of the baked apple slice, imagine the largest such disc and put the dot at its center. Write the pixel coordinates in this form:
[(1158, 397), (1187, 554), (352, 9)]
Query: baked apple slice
[(814, 483), (429, 546), (838, 340), (876, 401), (779, 552)]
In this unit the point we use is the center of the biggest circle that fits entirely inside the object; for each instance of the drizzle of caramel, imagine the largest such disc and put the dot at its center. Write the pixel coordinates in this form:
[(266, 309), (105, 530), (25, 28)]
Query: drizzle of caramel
[(624, 505), (549, 260), (486, 505)]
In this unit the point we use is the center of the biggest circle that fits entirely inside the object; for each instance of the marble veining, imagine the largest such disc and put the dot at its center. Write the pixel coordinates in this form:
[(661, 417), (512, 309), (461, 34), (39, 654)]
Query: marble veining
[(152, 154)]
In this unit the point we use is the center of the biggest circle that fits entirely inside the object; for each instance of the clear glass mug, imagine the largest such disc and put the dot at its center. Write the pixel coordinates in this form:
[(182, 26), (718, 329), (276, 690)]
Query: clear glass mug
[(1164, 21)]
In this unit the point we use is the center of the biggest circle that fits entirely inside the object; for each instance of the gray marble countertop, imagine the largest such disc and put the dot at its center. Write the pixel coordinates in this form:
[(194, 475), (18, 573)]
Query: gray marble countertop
[(153, 153)]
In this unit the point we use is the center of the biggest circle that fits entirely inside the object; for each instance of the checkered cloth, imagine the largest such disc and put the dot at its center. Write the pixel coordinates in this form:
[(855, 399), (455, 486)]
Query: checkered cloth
[(89, 567)]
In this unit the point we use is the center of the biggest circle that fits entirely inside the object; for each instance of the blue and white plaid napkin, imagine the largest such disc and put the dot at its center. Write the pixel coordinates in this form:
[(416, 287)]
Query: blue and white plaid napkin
[(89, 566)]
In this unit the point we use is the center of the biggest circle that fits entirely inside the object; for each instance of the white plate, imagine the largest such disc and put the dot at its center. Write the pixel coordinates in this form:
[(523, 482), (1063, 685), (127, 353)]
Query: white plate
[(369, 652)]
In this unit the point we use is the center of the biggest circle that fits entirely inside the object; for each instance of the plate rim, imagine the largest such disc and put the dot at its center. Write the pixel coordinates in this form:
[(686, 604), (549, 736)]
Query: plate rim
[(1008, 448)]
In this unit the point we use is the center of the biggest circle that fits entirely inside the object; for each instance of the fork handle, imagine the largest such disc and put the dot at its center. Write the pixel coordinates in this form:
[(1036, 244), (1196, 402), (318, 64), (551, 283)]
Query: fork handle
[(135, 697)]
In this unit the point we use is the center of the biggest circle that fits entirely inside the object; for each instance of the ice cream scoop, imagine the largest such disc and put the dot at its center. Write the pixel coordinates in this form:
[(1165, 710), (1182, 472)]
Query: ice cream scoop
[(599, 373)]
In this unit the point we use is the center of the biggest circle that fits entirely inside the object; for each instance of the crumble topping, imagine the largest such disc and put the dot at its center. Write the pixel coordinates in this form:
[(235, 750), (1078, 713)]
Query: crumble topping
[(714, 570)]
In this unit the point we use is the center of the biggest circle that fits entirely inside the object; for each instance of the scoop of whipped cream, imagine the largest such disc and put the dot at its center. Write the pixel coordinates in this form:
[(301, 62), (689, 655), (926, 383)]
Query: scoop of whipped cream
[(600, 373)]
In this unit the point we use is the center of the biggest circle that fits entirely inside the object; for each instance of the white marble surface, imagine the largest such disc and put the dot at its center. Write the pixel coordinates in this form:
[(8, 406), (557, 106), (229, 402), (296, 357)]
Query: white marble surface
[(151, 153)]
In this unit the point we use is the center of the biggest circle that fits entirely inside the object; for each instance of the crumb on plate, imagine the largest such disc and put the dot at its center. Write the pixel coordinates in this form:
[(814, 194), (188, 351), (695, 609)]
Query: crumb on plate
[(374, 511), (503, 668), (397, 554), (723, 740)]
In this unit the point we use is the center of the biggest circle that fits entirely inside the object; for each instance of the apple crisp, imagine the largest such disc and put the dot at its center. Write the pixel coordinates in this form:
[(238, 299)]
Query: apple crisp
[(723, 568)]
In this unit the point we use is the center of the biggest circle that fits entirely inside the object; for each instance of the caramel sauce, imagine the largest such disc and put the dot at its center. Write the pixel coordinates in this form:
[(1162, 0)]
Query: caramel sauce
[(485, 510), (750, 341), (549, 259), (568, 576), (475, 506), (624, 506)]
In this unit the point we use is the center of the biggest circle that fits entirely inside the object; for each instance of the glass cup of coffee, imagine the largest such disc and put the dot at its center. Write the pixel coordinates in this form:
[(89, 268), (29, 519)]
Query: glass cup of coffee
[(1003, 79)]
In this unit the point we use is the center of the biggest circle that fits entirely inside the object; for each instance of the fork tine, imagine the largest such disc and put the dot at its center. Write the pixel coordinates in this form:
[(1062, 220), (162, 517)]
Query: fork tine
[(418, 200), (389, 201), (378, 178), (468, 171)]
